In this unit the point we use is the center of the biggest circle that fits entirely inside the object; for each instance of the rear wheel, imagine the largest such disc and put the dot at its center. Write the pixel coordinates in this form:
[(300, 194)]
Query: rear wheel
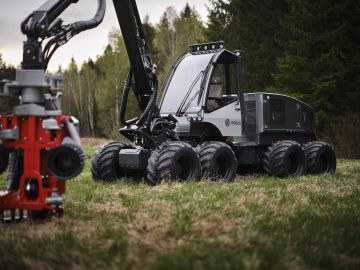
[(105, 163), (320, 158), (173, 161), (285, 158), (217, 161)]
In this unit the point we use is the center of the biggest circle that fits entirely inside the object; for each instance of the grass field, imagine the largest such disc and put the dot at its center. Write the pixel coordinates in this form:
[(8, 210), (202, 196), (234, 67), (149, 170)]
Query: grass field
[(256, 222)]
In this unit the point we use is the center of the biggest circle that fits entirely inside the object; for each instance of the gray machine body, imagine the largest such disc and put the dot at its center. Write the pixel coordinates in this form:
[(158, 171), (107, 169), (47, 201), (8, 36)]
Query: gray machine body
[(206, 85), (39, 94), (204, 93), (269, 117), (134, 159)]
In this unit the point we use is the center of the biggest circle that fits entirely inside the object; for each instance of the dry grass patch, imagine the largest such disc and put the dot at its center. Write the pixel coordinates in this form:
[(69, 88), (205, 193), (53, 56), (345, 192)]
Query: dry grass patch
[(93, 142), (256, 222)]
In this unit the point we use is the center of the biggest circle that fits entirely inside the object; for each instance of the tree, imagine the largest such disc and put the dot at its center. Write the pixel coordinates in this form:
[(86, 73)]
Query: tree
[(150, 35), (251, 26), (113, 67), (166, 37), (7, 72), (321, 60), (89, 78), (72, 97), (175, 33), (189, 29)]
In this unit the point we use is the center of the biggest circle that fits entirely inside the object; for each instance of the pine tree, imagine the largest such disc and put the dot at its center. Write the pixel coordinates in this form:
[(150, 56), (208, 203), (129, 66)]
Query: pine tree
[(89, 78), (150, 35), (7, 72), (251, 26), (321, 63), (166, 38), (71, 95), (175, 33)]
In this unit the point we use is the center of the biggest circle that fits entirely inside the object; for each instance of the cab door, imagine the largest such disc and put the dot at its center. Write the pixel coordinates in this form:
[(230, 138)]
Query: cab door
[(222, 106)]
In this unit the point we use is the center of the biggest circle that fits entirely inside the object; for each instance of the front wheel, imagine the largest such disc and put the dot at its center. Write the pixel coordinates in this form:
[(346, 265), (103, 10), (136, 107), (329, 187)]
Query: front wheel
[(105, 163), (217, 161), (173, 161)]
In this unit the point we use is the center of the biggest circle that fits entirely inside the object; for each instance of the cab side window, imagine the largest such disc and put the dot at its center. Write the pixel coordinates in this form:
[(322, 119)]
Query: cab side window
[(216, 89), (223, 86)]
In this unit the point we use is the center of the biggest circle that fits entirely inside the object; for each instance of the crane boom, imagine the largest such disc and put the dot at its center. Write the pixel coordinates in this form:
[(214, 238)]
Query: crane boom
[(142, 68)]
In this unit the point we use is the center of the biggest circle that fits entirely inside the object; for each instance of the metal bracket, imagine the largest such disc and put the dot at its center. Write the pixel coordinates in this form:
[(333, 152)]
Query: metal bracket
[(10, 134), (50, 124)]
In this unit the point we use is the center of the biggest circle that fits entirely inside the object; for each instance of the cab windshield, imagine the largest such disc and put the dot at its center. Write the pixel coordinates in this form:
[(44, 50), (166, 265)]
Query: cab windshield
[(183, 89)]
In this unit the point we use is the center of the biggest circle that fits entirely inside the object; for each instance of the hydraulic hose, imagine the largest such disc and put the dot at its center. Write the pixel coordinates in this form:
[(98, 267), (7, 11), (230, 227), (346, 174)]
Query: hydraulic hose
[(125, 96), (95, 21), (150, 105)]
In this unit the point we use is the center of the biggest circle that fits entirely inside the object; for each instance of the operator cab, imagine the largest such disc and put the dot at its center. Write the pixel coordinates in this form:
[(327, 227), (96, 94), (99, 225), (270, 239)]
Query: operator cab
[(202, 92), (205, 78), (223, 83)]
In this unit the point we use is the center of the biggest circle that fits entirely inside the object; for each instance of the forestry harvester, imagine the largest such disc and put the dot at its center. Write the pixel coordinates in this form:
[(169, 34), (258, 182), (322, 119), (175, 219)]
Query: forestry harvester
[(39, 146), (204, 124)]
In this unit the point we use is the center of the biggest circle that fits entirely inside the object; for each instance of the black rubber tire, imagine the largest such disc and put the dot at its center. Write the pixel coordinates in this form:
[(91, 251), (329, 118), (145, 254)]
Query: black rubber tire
[(218, 161), (173, 161), (16, 167), (94, 164), (4, 159), (105, 163), (62, 170), (320, 158), (284, 159)]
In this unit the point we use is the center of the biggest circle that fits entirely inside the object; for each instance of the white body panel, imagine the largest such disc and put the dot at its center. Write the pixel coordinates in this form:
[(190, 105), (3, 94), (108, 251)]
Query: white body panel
[(227, 119)]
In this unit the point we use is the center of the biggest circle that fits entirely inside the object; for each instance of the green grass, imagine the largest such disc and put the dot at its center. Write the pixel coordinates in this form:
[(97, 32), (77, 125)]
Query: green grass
[(256, 222)]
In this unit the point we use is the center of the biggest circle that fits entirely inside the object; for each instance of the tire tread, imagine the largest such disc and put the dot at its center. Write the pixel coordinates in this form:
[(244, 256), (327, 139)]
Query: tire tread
[(104, 162), (161, 160), (274, 158), (206, 154), (311, 152)]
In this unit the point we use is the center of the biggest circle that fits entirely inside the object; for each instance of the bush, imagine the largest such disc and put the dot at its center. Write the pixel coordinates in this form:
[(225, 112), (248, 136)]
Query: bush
[(344, 134)]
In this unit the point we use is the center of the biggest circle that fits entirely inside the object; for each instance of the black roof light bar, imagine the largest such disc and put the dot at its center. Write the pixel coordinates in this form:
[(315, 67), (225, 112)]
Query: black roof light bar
[(206, 47)]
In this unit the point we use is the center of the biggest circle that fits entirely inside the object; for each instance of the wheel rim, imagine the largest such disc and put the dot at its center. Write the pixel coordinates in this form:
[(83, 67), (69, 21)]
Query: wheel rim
[(294, 165)]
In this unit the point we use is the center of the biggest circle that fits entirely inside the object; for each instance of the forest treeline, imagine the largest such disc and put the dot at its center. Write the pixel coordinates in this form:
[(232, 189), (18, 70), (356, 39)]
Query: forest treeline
[(306, 49)]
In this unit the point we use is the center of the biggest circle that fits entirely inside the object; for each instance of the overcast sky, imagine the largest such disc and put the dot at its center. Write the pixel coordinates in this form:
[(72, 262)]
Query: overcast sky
[(85, 45)]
